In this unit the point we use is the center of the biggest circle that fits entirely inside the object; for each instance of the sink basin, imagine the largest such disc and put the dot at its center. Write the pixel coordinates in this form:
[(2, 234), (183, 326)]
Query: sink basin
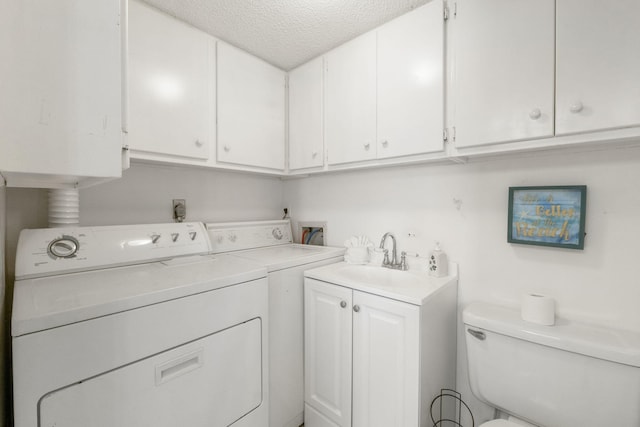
[(413, 286)]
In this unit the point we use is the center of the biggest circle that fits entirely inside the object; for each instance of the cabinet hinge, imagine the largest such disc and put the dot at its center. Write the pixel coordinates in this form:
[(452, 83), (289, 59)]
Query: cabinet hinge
[(445, 135), (446, 13)]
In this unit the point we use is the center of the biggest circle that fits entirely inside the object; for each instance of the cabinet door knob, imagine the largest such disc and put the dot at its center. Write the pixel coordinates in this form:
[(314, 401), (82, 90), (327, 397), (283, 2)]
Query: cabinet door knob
[(385, 143), (367, 146), (535, 114), (314, 154), (576, 107), (199, 143), (356, 308), (226, 148), (343, 304)]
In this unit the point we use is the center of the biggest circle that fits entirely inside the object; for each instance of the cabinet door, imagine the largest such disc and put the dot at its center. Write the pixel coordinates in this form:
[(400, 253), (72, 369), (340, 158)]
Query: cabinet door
[(386, 351), (306, 144), (504, 70), (170, 79), (251, 110), (410, 83), (61, 88), (598, 65), (327, 331), (350, 100)]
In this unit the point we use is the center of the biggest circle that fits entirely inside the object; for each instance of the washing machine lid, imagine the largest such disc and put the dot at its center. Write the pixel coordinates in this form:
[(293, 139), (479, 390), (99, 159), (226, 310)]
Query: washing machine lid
[(287, 256), (47, 302)]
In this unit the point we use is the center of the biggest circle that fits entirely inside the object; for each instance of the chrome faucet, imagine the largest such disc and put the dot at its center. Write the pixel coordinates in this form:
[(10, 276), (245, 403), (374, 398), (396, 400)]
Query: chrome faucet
[(393, 263)]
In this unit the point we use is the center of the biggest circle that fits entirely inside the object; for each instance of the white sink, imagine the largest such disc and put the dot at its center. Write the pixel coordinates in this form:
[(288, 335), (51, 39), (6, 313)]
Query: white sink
[(413, 286)]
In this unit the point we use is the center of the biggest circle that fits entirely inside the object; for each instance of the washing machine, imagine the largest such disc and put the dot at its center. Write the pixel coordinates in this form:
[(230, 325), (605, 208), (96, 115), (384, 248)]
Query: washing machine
[(270, 243), (137, 326)]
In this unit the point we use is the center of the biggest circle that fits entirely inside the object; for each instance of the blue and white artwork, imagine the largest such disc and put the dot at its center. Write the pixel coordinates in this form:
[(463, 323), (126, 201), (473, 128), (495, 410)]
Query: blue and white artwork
[(551, 216)]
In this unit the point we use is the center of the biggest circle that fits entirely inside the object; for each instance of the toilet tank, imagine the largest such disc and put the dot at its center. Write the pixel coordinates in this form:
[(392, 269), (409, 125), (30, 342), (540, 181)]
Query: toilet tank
[(568, 375)]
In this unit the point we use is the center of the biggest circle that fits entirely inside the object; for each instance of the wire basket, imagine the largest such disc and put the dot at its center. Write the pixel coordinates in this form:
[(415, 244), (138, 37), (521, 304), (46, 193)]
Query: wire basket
[(450, 410)]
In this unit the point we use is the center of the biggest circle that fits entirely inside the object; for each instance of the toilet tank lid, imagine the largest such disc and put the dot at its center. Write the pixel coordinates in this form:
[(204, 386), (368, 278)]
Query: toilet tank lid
[(592, 340)]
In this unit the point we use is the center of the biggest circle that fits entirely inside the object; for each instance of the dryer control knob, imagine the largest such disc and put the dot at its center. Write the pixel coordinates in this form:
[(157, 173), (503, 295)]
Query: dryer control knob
[(63, 247)]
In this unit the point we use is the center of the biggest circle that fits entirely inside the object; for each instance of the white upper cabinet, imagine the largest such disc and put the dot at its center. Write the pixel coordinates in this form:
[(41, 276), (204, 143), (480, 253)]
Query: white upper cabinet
[(598, 65), (306, 144), (251, 110), (61, 89), (410, 97), (350, 102), (384, 90), (171, 77), (503, 85)]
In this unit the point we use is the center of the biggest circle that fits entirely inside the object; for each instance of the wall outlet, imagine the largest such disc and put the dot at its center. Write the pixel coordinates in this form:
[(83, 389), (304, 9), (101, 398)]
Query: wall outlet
[(179, 210)]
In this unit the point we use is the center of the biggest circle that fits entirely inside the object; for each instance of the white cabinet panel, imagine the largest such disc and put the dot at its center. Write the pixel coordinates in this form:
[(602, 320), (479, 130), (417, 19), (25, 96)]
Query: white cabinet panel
[(306, 144), (350, 113), (598, 65), (251, 110), (504, 71), (386, 356), (61, 86), (170, 82), (410, 83), (328, 336)]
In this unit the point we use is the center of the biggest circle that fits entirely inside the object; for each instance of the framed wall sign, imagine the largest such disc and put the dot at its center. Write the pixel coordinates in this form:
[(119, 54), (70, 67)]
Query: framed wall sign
[(547, 216)]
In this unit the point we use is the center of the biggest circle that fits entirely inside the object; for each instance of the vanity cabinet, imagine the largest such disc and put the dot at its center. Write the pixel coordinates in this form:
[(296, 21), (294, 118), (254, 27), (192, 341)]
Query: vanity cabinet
[(61, 88), (171, 78), (251, 110), (306, 142), (372, 360), (384, 90)]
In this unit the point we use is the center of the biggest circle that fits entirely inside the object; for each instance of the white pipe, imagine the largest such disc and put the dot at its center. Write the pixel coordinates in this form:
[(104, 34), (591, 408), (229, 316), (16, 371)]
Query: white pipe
[(64, 208)]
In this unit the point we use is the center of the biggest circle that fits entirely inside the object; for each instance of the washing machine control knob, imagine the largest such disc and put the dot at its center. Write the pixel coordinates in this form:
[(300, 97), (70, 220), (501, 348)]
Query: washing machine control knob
[(277, 233), (63, 247)]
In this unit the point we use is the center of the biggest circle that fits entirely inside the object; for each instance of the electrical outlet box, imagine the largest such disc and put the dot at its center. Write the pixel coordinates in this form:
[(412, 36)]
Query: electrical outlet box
[(179, 209), (312, 233)]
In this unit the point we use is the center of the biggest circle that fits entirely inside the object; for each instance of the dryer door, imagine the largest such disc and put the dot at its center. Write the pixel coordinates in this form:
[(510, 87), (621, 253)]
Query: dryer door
[(209, 382)]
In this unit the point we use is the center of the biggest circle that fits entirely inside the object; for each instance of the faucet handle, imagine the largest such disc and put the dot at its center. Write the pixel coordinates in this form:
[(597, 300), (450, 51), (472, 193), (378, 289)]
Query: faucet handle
[(386, 257), (403, 261)]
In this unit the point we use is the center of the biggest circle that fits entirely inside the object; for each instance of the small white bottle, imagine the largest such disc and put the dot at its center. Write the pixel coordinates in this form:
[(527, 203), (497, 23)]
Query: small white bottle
[(438, 263)]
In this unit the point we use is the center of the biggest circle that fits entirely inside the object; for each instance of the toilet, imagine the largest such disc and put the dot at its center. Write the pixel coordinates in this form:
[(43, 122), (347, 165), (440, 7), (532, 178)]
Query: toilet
[(568, 375)]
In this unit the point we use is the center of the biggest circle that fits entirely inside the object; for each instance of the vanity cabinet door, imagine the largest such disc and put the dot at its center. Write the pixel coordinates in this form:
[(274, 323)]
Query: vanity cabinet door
[(598, 64), (350, 100), (171, 76), (410, 83), (328, 337), (503, 84), (306, 144), (386, 362)]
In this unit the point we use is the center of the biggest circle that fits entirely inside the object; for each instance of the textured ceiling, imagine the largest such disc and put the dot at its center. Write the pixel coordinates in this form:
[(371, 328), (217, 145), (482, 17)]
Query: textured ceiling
[(285, 33)]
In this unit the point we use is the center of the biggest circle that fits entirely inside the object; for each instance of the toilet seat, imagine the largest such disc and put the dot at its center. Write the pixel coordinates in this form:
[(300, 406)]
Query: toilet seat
[(500, 423)]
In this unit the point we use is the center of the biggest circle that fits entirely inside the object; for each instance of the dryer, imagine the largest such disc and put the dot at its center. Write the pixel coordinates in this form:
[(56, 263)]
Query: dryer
[(136, 326), (270, 243)]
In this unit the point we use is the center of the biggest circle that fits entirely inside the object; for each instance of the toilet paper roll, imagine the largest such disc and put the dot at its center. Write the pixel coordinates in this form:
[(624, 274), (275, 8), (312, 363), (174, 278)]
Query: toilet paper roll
[(538, 309)]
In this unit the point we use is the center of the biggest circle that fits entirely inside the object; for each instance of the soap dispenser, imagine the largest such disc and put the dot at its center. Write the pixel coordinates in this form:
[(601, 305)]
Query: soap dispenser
[(438, 263)]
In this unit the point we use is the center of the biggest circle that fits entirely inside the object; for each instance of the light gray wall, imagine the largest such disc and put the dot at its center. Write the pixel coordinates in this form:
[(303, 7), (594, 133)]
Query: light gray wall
[(465, 208)]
